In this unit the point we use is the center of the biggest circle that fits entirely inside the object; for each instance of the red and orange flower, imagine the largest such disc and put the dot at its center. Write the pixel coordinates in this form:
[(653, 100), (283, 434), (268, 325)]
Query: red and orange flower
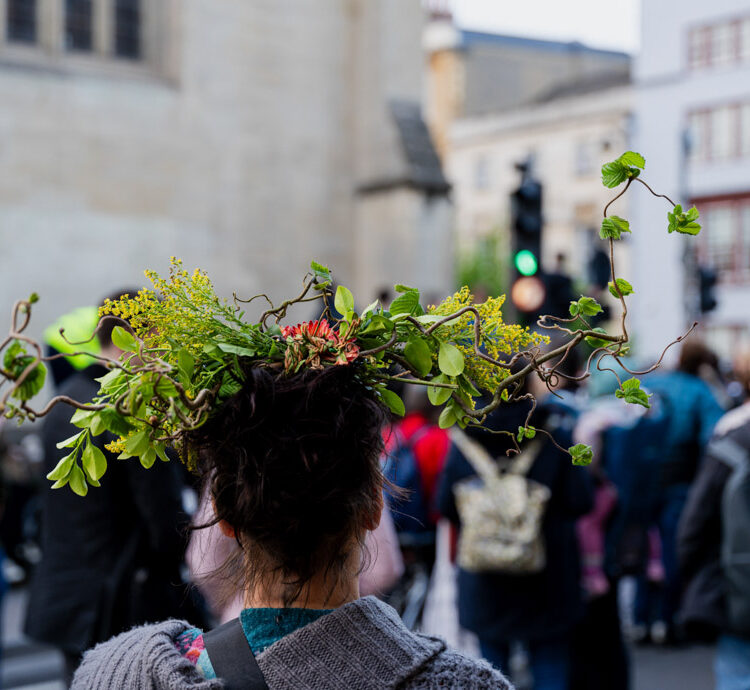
[(315, 344)]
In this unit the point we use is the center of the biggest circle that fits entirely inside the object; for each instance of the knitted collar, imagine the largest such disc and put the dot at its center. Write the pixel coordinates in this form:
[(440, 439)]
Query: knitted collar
[(361, 645)]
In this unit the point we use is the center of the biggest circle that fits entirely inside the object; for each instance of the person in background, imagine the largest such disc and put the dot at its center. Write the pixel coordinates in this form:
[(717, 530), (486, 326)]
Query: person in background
[(714, 545), (693, 411), (110, 560), (538, 609)]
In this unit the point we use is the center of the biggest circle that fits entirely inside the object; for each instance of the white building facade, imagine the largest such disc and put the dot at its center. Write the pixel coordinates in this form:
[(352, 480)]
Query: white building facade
[(246, 137), (692, 110)]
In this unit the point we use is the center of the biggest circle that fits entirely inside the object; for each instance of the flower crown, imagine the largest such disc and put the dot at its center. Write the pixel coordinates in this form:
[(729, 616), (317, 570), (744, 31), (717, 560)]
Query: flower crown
[(185, 351), (183, 348)]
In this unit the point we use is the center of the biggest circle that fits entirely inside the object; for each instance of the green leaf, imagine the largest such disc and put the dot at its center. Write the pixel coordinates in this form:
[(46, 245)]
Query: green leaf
[(322, 273), (124, 339), (137, 443), (395, 404), (70, 442), (378, 324), (77, 481), (110, 379), (161, 452), (408, 303), (236, 350), (404, 288), (63, 467), (97, 424), (626, 166), (465, 384), (624, 286), (438, 395), (450, 360), (33, 298), (613, 226), (598, 342), (448, 417), (16, 361), (148, 458), (229, 386), (60, 483), (186, 364), (93, 461), (683, 223), (115, 422), (82, 418), (632, 158), (614, 174), (525, 432), (631, 392), (370, 307), (581, 454), (586, 306), (418, 354), (344, 300)]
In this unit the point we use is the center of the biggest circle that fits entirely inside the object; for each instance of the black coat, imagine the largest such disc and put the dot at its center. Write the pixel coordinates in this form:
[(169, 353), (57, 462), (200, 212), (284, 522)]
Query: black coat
[(82, 590), (699, 538), (501, 607)]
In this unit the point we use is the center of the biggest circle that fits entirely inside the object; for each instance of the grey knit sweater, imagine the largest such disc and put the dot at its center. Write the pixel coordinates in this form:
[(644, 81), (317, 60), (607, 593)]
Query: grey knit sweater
[(362, 645)]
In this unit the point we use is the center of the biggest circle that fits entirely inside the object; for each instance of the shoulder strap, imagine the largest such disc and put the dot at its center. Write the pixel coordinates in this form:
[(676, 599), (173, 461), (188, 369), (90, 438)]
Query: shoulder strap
[(232, 658), (728, 451), (477, 456), (483, 463)]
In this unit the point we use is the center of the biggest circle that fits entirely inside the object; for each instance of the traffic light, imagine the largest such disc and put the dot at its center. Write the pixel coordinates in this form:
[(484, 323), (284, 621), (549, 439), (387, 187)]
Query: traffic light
[(528, 291), (526, 206), (707, 280)]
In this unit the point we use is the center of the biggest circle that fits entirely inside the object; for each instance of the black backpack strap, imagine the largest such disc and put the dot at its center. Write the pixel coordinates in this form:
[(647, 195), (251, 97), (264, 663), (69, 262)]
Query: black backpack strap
[(232, 658)]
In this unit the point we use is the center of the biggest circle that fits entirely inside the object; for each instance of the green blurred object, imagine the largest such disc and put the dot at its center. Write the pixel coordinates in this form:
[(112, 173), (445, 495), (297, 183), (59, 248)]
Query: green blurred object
[(79, 325), (526, 263)]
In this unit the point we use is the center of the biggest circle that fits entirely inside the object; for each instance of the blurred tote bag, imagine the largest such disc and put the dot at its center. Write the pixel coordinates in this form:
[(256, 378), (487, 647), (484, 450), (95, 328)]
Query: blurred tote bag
[(501, 512)]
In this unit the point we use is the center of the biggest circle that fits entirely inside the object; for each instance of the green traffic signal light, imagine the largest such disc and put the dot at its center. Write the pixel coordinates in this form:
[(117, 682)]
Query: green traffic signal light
[(526, 263)]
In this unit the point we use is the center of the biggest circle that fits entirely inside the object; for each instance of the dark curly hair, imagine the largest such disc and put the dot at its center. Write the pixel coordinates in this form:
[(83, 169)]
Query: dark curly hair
[(292, 463)]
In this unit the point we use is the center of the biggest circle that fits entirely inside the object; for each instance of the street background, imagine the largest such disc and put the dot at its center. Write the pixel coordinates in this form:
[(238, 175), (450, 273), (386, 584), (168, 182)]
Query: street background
[(384, 139)]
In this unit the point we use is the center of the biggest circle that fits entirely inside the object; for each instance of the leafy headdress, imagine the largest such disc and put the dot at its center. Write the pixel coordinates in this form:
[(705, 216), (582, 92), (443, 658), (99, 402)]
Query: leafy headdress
[(185, 351)]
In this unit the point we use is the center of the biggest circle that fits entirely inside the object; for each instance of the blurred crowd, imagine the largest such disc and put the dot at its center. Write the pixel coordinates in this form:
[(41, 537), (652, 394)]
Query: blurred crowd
[(664, 508)]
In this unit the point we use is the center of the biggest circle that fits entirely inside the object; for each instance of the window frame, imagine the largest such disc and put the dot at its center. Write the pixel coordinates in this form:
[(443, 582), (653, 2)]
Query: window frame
[(739, 249), (158, 42)]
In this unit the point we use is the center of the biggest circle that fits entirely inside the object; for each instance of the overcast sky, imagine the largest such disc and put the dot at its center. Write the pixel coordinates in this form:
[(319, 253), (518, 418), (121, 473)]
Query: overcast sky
[(611, 24)]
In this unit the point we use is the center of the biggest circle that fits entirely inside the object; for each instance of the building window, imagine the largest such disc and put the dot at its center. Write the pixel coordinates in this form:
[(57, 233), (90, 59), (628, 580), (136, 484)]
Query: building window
[(744, 125), (21, 21), (125, 29), (128, 28), (726, 240), (481, 173), (744, 40), (584, 158), (722, 44), (79, 25), (720, 133)]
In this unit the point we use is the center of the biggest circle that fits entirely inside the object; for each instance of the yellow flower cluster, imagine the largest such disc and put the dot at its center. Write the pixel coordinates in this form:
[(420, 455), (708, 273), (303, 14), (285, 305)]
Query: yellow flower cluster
[(496, 337), (179, 307), (116, 447)]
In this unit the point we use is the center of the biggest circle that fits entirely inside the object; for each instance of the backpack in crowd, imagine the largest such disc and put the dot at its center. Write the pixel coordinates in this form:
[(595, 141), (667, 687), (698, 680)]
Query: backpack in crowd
[(735, 540), (501, 511), (410, 512)]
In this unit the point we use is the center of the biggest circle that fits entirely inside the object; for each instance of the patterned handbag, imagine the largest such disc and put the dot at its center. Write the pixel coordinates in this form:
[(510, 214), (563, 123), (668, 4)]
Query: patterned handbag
[(501, 512)]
